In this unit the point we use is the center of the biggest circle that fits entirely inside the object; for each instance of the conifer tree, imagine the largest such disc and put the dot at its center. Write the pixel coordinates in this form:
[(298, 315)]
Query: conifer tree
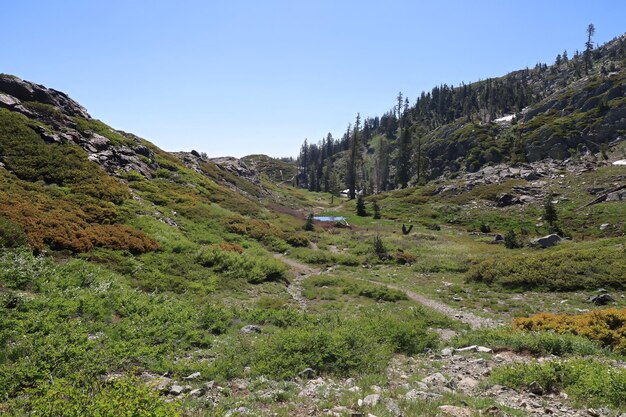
[(376, 208), (308, 224), (591, 30), (354, 155), (360, 207)]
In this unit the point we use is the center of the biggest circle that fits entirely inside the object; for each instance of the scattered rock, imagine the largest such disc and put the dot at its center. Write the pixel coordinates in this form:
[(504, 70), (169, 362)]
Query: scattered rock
[(601, 299), (546, 241), (240, 410), (251, 328), (467, 384), (604, 226), (195, 375), (393, 407), (198, 392), (307, 373), (453, 411), (415, 394), (176, 390), (535, 388), (448, 351), (435, 380), (507, 199), (371, 400)]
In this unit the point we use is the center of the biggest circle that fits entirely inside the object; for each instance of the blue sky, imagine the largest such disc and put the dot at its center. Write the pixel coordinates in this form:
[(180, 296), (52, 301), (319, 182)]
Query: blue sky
[(241, 77)]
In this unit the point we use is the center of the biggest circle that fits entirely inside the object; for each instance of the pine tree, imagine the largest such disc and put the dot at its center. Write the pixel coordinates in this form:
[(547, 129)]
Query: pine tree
[(354, 158), (511, 241), (360, 207), (379, 248), (591, 30), (399, 106), (550, 215), (404, 159), (308, 224), (376, 208)]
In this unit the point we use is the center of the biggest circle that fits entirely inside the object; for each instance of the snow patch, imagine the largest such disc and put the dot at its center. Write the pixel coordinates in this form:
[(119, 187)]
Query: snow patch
[(505, 119), (620, 162)]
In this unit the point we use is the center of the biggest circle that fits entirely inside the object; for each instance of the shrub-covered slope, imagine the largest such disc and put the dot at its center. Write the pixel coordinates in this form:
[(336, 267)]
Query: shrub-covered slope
[(550, 111)]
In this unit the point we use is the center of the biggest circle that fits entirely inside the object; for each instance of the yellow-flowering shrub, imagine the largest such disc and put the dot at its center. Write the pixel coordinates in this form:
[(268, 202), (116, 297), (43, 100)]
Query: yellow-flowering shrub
[(606, 326)]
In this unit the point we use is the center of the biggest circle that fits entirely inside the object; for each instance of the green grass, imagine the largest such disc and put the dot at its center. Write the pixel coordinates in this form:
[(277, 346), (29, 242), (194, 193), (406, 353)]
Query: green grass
[(565, 268), (537, 343), (589, 382), (329, 287)]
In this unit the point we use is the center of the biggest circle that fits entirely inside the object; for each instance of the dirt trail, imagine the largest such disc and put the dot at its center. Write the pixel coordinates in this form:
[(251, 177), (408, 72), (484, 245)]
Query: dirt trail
[(474, 321), (301, 271)]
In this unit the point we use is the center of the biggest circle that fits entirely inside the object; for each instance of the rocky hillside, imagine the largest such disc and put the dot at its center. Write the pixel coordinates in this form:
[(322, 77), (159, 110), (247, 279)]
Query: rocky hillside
[(557, 111), (67, 177)]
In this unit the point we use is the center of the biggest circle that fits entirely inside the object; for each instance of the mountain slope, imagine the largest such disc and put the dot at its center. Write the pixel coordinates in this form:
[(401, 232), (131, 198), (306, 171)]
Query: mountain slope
[(556, 111)]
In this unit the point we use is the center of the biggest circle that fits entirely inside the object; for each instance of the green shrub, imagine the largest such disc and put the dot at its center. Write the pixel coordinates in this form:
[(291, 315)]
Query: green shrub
[(11, 234), (591, 382), (511, 241), (352, 287), (254, 269), (560, 269), (341, 347), (215, 319), (539, 343), (125, 397), (299, 240)]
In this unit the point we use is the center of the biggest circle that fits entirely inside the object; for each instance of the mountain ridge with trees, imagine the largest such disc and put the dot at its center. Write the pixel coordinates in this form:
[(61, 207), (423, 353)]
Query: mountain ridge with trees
[(551, 111)]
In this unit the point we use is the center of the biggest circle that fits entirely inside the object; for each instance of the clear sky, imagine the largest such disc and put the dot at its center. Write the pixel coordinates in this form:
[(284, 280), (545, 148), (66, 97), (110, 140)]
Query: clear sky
[(240, 77)]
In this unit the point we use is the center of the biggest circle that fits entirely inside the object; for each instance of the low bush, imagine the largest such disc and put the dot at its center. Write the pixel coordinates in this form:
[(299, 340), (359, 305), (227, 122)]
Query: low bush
[(124, 397), (254, 269), (11, 234), (590, 382), (535, 342), (565, 269), (314, 287), (341, 347), (607, 327)]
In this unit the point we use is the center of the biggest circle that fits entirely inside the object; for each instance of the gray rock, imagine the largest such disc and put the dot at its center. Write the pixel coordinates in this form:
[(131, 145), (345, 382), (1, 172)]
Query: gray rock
[(535, 388), (237, 411), (467, 384), (417, 394), (371, 400), (393, 407), (307, 373), (195, 375), (507, 199), (435, 380), (604, 226), (251, 328), (454, 411), (198, 392), (601, 299), (448, 351), (467, 348), (176, 389), (546, 241)]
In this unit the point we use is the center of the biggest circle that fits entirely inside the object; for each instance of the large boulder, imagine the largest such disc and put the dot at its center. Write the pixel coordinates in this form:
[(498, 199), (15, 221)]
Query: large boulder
[(27, 91), (546, 241)]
